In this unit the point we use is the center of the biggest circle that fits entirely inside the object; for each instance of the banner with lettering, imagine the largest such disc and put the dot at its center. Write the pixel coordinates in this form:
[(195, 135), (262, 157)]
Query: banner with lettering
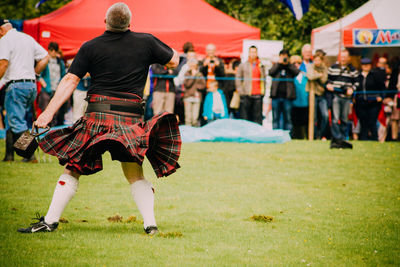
[(376, 37)]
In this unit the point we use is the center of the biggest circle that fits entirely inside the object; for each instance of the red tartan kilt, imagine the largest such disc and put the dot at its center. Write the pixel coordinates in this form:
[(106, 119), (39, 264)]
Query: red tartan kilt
[(128, 139)]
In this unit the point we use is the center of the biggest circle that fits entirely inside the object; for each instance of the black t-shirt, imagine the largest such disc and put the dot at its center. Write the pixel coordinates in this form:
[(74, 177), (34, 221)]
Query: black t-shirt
[(118, 63)]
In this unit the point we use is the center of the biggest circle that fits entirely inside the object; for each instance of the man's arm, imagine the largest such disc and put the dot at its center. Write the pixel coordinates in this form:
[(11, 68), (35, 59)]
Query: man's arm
[(274, 70), (41, 64), (3, 67), (63, 93), (239, 79), (174, 62)]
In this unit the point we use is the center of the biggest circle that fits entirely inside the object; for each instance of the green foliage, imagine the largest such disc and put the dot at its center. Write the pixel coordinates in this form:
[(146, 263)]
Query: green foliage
[(277, 22), (25, 9)]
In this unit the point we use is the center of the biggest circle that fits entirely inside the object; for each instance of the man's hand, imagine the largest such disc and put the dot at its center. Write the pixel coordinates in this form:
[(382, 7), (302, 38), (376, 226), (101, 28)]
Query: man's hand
[(349, 91), (194, 71), (41, 64), (206, 62), (174, 62), (43, 82), (63, 93), (387, 100), (379, 99), (43, 120), (330, 87)]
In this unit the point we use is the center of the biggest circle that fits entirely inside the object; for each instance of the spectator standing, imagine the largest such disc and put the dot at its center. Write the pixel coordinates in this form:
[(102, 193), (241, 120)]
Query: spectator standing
[(317, 75), (18, 53), (300, 104), (194, 83), (368, 105), (164, 89), (212, 66), (282, 91), (306, 53), (342, 78), (214, 105), (178, 80), (183, 58), (250, 83), (50, 78)]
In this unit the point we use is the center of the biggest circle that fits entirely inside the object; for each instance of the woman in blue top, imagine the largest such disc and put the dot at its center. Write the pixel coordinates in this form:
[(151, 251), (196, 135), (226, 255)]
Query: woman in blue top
[(215, 104), (300, 104)]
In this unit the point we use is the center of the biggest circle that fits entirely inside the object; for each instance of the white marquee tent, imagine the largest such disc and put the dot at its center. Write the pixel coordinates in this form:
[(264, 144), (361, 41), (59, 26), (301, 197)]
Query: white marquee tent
[(374, 24)]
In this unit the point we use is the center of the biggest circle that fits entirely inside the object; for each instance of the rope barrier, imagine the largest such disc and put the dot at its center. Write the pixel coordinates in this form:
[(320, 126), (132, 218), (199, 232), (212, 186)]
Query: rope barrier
[(273, 79), (222, 78)]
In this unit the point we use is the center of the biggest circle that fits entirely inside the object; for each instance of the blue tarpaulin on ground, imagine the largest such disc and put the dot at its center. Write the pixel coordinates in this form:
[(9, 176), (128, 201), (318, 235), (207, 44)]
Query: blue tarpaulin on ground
[(225, 130), (231, 130)]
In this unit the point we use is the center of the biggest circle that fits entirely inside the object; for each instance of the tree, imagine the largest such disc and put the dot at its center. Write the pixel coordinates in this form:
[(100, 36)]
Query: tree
[(277, 22), (25, 9)]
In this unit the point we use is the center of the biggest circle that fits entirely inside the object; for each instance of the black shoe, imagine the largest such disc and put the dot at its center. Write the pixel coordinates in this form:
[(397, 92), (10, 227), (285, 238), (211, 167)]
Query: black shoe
[(151, 230), (40, 226), (346, 144), (31, 159), (8, 158), (335, 144)]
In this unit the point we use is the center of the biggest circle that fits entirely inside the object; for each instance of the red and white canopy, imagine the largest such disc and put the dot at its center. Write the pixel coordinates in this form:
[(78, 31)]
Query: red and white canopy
[(374, 24)]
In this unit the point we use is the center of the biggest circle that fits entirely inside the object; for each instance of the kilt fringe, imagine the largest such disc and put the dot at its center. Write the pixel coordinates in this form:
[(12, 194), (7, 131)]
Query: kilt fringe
[(128, 139)]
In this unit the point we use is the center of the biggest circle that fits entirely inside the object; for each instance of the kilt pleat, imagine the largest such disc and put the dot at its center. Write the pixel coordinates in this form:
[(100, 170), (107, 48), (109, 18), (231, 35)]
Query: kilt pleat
[(128, 139)]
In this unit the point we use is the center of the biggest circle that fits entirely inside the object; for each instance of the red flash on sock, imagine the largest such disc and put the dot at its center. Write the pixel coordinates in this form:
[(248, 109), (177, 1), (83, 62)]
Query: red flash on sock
[(61, 182)]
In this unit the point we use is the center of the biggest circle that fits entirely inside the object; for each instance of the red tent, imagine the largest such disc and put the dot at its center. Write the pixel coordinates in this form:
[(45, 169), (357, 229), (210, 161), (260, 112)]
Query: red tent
[(174, 22)]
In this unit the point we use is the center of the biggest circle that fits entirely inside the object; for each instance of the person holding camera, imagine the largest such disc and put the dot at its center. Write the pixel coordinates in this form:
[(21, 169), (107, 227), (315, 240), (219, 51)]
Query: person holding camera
[(282, 91), (212, 66), (342, 81)]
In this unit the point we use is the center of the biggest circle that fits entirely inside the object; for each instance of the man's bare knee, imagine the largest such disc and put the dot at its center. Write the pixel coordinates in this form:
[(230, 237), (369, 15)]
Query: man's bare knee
[(132, 171), (72, 173)]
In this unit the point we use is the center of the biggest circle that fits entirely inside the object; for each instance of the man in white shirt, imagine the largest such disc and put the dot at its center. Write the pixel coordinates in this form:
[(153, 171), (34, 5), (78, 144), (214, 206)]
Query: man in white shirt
[(18, 54)]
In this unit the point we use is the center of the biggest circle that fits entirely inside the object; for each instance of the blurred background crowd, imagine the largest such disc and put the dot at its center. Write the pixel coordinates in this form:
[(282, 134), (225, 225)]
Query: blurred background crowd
[(351, 100)]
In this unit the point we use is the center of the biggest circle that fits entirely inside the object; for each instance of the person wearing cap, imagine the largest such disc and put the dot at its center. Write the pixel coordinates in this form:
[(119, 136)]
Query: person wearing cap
[(367, 100), (118, 62), (18, 54)]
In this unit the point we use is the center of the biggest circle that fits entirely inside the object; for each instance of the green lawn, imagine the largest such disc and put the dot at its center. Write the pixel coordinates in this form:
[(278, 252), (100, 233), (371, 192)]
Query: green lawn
[(329, 208)]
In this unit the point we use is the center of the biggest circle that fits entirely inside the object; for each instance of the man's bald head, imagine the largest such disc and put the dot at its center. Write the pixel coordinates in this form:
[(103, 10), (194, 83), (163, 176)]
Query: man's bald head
[(118, 17), (306, 52)]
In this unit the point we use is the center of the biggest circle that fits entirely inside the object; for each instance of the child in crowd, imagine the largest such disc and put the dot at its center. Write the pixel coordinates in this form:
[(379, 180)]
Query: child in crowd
[(215, 104)]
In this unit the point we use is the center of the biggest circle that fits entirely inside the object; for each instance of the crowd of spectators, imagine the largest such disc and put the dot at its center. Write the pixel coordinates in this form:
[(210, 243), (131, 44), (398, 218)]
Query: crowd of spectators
[(347, 101), (201, 90)]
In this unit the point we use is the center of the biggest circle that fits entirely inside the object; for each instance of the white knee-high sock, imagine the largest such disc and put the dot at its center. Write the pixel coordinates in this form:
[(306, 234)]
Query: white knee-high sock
[(143, 194), (66, 188)]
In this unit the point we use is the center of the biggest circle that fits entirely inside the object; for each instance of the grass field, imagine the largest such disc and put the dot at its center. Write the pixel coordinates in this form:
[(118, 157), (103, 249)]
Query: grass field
[(329, 208)]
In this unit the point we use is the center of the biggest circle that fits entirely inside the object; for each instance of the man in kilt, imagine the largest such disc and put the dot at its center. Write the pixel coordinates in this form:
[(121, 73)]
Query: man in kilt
[(118, 62)]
